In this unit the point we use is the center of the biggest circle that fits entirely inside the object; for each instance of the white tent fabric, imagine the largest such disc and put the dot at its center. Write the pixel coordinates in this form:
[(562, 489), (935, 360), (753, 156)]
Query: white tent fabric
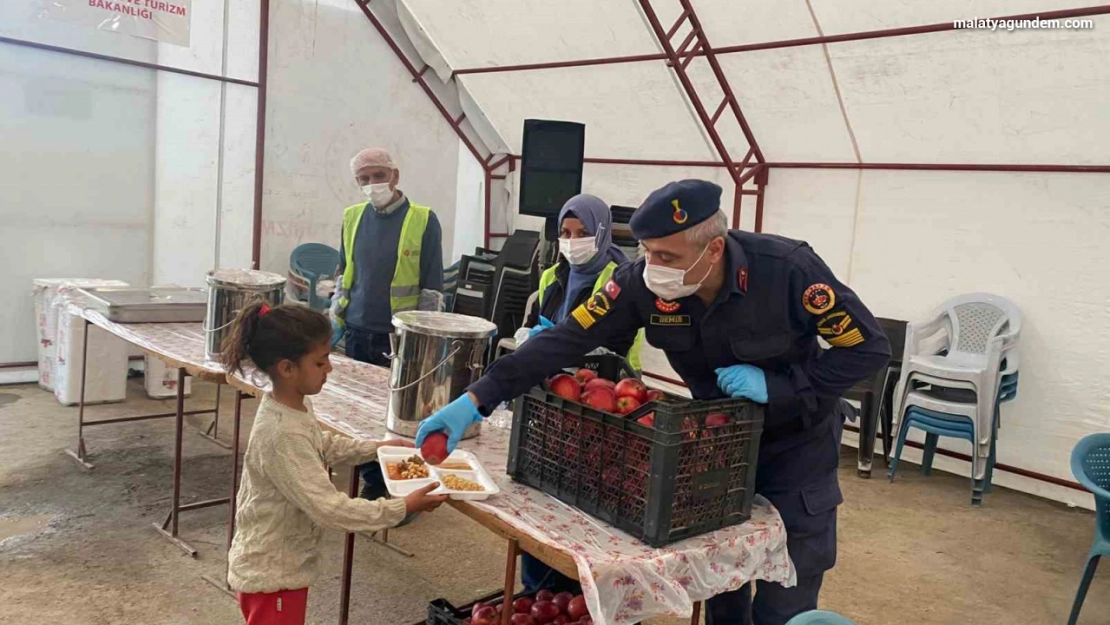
[(948, 97)]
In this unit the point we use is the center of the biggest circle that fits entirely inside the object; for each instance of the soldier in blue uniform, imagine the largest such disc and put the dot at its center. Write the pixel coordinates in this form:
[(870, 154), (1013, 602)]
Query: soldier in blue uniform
[(737, 314)]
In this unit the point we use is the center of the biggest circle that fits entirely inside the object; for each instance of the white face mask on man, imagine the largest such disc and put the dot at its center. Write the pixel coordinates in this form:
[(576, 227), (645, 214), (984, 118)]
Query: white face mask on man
[(578, 251), (379, 194), (670, 284)]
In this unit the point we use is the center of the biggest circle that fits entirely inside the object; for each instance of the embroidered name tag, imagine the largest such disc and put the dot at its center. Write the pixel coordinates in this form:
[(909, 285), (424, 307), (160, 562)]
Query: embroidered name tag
[(670, 320)]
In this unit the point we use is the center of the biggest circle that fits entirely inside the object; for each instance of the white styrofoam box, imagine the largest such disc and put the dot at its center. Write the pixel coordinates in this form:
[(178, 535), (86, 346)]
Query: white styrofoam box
[(106, 374), (46, 319), (161, 381)]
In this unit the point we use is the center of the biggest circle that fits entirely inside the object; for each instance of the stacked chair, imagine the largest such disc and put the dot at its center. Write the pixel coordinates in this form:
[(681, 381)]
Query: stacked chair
[(958, 367), (819, 617), (308, 265)]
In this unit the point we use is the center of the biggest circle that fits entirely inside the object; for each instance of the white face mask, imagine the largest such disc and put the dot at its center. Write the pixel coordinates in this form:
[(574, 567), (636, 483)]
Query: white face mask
[(578, 251), (669, 283), (380, 195)]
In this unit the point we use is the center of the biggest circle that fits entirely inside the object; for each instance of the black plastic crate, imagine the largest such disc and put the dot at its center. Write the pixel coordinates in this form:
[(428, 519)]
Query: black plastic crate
[(661, 484), (442, 612)]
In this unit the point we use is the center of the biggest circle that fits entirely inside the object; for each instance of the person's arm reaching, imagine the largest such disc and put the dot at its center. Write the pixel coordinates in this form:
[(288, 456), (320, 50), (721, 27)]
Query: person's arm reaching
[(831, 310), (604, 318)]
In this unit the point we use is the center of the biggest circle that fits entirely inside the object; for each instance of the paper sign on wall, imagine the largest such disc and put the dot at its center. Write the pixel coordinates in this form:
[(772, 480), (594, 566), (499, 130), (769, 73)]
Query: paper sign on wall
[(162, 20)]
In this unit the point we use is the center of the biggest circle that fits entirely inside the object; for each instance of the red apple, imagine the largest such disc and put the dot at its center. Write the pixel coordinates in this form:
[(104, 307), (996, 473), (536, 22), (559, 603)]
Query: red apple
[(522, 605), (626, 405), (565, 386), (577, 608), (545, 595), (631, 387), (603, 399), (468, 621), (716, 420), (655, 395), (485, 616), (598, 383), (562, 600), (648, 420), (434, 449), (560, 620), (584, 375), (544, 612), (523, 619)]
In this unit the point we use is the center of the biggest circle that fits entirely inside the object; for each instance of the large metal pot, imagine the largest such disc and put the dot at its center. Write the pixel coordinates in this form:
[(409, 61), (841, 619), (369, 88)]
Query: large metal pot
[(231, 290), (435, 357)]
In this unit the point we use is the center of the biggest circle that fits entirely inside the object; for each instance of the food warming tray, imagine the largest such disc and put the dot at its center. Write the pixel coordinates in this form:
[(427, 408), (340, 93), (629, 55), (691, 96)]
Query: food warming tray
[(148, 305)]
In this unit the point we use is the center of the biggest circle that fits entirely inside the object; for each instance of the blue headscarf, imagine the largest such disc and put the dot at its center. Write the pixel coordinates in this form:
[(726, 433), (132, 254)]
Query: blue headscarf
[(596, 217)]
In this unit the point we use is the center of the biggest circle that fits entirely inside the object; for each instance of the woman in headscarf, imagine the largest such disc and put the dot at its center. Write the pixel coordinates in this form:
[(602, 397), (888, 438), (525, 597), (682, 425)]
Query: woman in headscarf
[(589, 258)]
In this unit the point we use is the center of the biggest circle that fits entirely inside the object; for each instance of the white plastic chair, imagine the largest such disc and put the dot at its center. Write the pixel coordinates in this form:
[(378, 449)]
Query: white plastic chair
[(979, 331)]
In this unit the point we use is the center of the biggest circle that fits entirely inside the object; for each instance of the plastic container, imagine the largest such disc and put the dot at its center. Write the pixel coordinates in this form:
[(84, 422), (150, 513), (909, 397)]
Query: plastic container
[(475, 473), (442, 612), (160, 381), (661, 484), (46, 320), (106, 374)]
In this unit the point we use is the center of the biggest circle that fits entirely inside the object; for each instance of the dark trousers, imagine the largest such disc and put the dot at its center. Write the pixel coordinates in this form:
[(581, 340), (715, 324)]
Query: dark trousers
[(535, 575), (774, 604), (371, 348)]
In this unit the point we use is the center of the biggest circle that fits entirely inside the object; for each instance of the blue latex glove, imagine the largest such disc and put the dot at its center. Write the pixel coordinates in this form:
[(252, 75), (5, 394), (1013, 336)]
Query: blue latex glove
[(743, 381), (337, 332), (545, 323), (455, 417)]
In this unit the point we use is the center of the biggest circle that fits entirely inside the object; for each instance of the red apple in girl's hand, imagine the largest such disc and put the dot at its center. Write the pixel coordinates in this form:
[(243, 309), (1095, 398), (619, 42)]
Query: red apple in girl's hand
[(631, 387), (598, 383), (434, 449), (584, 375), (565, 386)]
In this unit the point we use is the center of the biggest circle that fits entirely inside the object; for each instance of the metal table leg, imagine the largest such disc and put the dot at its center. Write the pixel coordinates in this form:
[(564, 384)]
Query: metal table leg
[(348, 559), (233, 499), (81, 454), (510, 582), (213, 431)]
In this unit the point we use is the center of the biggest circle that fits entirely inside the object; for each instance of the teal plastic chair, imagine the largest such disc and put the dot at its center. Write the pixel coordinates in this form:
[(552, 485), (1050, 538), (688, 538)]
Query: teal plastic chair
[(1090, 463), (310, 263), (819, 617)]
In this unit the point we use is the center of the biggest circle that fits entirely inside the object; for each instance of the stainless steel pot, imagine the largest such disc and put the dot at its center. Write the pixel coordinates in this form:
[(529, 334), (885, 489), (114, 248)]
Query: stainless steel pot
[(229, 291), (435, 357)]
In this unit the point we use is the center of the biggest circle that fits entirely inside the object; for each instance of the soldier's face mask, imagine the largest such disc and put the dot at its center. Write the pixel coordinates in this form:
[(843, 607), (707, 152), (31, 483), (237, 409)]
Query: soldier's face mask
[(578, 251), (669, 283)]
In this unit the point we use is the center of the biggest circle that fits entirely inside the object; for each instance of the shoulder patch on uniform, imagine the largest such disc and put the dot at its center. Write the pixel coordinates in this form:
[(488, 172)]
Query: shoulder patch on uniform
[(818, 298), (612, 289), (849, 339), (834, 324), (594, 309)]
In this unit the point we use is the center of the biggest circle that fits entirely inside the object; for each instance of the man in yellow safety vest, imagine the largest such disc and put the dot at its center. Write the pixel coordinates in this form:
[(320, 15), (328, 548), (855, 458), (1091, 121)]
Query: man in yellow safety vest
[(391, 260)]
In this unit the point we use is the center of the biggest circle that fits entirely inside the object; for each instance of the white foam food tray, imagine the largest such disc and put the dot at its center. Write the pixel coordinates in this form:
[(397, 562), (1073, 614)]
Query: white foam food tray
[(402, 488)]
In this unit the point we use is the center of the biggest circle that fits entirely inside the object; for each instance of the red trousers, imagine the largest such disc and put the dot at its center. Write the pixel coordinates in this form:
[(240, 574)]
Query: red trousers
[(284, 607)]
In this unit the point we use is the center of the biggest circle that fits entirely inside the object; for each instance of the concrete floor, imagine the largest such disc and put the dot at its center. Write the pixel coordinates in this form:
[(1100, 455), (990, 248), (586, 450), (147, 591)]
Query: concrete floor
[(79, 548)]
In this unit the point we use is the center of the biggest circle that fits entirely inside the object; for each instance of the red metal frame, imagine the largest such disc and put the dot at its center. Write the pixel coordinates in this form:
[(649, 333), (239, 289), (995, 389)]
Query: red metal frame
[(260, 131)]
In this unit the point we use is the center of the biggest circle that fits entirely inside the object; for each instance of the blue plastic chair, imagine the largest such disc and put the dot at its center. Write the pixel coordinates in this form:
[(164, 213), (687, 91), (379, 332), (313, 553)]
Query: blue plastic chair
[(312, 262), (1090, 463), (819, 617), (935, 425)]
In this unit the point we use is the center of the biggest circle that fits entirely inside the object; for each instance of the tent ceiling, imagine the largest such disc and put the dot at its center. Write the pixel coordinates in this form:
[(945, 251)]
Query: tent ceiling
[(1020, 97)]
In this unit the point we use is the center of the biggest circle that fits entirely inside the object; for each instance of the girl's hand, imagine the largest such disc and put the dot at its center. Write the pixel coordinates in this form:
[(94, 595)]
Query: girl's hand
[(397, 442)]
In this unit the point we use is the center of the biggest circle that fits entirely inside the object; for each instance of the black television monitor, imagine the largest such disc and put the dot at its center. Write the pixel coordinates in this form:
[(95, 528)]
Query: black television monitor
[(551, 165)]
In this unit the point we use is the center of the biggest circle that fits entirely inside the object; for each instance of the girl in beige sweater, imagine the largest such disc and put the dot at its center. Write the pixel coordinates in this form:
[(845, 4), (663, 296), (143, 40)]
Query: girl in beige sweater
[(287, 498)]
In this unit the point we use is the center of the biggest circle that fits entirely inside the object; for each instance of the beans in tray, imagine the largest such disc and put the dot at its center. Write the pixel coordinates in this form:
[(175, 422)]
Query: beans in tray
[(454, 482), (410, 469)]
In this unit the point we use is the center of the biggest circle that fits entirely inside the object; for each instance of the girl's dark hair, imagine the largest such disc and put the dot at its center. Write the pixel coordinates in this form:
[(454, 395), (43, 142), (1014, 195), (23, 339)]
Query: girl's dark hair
[(284, 332)]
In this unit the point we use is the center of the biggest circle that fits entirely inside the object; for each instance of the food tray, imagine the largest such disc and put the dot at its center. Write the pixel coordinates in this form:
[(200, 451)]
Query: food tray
[(148, 305), (402, 488)]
